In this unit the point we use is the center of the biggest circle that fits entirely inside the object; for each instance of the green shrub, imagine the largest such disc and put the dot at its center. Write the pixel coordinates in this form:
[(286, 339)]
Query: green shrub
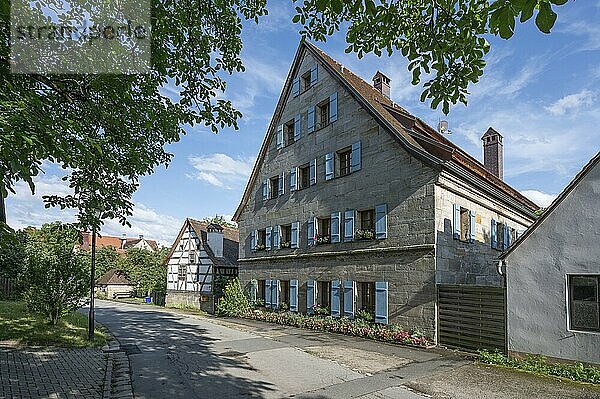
[(540, 365), (234, 303), (366, 315)]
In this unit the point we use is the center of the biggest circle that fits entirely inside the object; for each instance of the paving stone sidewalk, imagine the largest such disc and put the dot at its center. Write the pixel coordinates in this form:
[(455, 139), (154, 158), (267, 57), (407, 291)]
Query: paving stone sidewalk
[(64, 373), (51, 373)]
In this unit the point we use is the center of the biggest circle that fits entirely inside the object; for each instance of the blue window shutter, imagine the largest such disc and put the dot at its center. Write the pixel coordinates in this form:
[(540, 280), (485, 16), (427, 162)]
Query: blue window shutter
[(493, 235), (293, 179), (381, 221), (295, 231), (333, 107), (349, 225), (311, 232), (504, 236), (335, 298), (355, 157), (279, 136), (311, 296), (314, 74), (267, 293), (277, 237), (253, 240), (275, 287), (268, 237), (265, 189), (329, 160), (297, 127), (296, 87), (310, 119), (313, 172), (381, 302), (349, 298), (472, 226), (294, 295), (456, 222), (281, 188), (335, 226)]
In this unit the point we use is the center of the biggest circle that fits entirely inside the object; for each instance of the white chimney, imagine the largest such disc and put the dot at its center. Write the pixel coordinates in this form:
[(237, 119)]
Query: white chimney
[(214, 238)]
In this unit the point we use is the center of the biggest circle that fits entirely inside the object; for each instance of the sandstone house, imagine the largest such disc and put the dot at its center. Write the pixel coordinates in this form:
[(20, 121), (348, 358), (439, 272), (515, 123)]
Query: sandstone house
[(355, 204)]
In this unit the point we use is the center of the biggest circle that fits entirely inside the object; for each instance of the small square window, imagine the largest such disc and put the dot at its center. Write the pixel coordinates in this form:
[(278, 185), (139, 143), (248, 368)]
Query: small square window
[(274, 187), (304, 178), (584, 302), (344, 157), (322, 114)]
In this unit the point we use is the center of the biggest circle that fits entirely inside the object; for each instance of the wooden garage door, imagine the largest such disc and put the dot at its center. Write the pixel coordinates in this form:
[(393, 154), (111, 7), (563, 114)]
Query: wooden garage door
[(472, 317)]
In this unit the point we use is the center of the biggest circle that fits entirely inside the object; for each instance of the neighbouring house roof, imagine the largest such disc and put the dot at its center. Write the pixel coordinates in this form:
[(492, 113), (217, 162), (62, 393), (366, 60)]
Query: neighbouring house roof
[(230, 242), (114, 277), (132, 242), (557, 201), (115, 242), (411, 132)]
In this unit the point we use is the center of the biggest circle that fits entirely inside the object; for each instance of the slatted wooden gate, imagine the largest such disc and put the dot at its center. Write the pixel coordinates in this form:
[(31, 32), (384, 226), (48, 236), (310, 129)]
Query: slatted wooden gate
[(472, 317)]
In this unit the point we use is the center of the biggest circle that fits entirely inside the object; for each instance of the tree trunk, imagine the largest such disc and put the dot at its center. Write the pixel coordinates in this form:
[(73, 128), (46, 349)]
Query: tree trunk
[(2, 210)]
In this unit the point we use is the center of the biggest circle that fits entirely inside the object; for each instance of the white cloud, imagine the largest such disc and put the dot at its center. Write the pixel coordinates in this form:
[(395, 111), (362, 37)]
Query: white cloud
[(572, 102), (220, 170), (542, 199), (24, 209)]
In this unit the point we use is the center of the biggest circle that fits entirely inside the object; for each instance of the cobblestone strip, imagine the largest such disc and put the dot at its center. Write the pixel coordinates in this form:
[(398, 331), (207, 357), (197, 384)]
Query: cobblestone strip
[(117, 380)]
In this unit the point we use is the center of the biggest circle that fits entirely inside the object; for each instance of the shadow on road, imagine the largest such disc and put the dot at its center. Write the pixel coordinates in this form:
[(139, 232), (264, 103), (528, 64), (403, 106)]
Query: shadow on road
[(171, 357)]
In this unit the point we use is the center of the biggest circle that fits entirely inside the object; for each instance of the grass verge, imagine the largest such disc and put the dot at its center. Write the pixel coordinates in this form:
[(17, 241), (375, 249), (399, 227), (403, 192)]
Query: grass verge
[(17, 324), (540, 365)]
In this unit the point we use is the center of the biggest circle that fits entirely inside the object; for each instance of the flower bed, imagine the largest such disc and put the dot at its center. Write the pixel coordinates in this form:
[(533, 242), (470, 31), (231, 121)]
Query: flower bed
[(358, 328)]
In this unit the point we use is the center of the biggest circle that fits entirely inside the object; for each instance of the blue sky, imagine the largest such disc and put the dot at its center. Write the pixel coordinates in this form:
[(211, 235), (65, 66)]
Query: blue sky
[(540, 91)]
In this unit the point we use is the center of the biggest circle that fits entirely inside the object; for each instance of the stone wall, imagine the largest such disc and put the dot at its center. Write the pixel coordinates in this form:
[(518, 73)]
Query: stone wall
[(410, 274), (191, 299), (462, 262)]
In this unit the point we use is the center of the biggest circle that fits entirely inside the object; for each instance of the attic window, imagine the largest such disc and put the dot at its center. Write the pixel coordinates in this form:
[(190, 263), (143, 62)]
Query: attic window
[(344, 158), (304, 179), (182, 272), (274, 186), (192, 257), (306, 81)]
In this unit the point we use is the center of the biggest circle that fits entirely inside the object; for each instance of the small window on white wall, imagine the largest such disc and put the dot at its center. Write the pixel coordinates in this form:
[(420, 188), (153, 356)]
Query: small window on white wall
[(584, 302)]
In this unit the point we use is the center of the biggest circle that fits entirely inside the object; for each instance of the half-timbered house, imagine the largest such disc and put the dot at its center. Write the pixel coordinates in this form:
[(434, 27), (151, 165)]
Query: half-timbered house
[(202, 254)]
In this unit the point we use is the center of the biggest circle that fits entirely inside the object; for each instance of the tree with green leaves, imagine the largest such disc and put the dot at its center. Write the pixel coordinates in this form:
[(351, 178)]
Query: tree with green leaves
[(146, 270), (55, 276), (106, 258), (108, 130), (220, 220), (444, 39)]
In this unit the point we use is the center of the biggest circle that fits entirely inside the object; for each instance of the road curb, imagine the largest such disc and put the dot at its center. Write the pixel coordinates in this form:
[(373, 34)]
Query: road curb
[(117, 378)]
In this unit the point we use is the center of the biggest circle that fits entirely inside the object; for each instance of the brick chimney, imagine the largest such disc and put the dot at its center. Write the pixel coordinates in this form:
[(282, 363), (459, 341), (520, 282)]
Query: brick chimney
[(214, 238), (493, 152), (382, 83)]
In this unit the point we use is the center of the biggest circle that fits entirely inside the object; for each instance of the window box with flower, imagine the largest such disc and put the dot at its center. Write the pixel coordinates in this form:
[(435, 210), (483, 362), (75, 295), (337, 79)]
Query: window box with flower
[(365, 235), (286, 244), (323, 240)]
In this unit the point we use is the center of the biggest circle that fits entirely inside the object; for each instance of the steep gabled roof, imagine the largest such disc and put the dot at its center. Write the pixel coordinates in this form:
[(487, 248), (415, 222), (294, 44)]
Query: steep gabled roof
[(114, 277), (555, 204), (230, 242), (413, 134), (132, 242)]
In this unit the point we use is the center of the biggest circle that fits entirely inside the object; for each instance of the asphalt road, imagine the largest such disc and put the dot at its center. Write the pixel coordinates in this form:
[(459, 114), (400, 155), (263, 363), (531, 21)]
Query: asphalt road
[(174, 355)]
